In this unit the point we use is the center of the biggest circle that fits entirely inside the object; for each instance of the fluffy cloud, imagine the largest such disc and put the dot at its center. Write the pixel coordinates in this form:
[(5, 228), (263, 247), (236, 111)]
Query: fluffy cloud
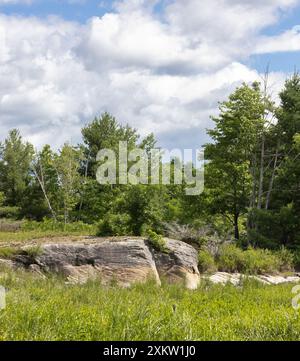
[(288, 41), (162, 72)]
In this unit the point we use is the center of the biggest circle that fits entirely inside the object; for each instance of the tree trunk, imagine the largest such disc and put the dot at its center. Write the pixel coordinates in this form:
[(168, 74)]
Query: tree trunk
[(236, 227), (261, 173), (272, 178), (84, 182), (42, 185), (252, 202)]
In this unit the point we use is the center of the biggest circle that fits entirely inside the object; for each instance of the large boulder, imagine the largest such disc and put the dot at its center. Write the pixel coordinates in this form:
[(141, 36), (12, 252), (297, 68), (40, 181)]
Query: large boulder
[(122, 261), (179, 264)]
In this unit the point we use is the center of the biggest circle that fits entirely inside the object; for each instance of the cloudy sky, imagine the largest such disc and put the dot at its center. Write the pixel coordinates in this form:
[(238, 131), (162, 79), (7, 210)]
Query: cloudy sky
[(161, 66)]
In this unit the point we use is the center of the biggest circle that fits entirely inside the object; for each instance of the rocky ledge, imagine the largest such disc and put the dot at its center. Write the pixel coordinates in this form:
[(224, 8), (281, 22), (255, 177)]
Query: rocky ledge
[(123, 261), (236, 278)]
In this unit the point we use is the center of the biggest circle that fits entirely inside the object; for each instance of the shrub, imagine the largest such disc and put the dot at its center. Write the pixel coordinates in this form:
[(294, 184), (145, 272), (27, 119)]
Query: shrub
[(8, 252), (286, 260), (273, 226), (9, 212), (11, 252), (253, 261), (297, 259), (259, 261), (114, 225), (230, 258), (206, 262), (32, 251), (157, 242)]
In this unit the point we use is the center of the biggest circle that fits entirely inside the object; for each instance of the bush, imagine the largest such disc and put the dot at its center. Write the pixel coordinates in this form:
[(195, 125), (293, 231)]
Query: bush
[(206, 262), (259, 261), (114, 225), (287, 260), (11, 252), (8, 252), (297, 259), (32, 251), (230, 258), (157, 242), (254, 261), (9, 212), (274, 226)]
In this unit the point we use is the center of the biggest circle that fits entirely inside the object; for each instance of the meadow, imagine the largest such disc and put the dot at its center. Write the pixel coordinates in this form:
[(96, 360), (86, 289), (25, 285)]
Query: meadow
[(50, 309)]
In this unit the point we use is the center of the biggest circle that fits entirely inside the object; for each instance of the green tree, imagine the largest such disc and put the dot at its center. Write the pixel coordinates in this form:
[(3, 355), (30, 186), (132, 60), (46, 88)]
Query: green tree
[(67, 165), (15, 159), (104, 133), (279, 223), (235, 140)]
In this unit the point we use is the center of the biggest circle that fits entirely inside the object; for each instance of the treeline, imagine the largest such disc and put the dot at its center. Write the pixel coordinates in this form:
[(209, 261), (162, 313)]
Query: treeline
[(252, 177)]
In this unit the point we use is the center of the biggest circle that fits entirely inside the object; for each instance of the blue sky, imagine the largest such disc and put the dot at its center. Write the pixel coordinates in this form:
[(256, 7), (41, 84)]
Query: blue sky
[(160, 66), (68, 10), (281, 61)]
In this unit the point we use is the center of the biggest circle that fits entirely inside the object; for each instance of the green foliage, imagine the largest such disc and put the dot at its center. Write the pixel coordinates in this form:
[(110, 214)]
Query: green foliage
[(297, 259), (157, 241), (105, 133), (11, 252), (15, 158), (50, 310), (287, 260), (67, 164), (235, 136), (275, 227), (9, 212), (8, 252), (279, 223), (254, 261), (260, 261), (206, 262), (114, 225), (144, 206), (230, 258), (251, 179), (32, 251)]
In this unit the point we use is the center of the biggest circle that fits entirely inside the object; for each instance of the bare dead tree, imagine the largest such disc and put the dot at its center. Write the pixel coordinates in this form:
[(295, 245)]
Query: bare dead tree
[(41, 180), (85, 178), (263, 139), (271, 184)]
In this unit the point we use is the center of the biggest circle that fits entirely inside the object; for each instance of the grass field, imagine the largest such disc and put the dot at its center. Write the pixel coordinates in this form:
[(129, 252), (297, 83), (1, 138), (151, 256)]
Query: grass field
[(27, 236), (52, 310)]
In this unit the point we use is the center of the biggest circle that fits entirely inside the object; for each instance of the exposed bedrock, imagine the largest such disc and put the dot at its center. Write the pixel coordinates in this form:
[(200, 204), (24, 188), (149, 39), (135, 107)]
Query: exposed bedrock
[(122, 261)]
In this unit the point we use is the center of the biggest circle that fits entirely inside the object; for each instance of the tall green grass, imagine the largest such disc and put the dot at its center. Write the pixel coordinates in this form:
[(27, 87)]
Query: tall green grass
[(31, 230), (52, 310), (231, 258)]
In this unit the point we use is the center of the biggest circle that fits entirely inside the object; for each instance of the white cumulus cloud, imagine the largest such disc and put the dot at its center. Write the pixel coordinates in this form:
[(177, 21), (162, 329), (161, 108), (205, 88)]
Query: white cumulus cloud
[(163, 72)]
